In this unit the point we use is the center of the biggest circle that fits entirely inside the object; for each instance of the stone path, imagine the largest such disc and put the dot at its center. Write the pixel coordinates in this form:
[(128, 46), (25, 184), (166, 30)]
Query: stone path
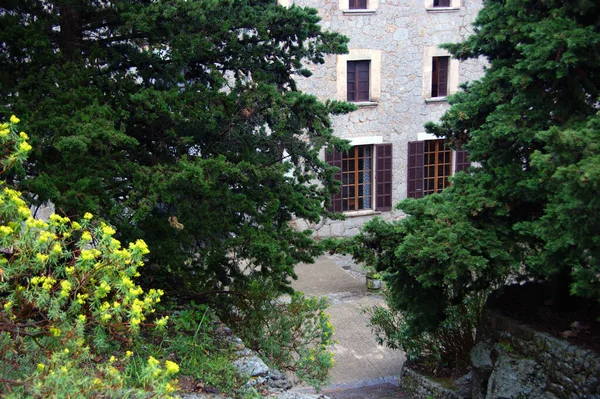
[(362, 369)]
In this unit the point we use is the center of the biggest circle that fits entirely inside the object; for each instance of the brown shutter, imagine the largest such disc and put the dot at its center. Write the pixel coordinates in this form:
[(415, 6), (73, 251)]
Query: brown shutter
[(362, 71), (415, 169), (442, 83), (335, 159), (383, 177), (357, 4), (351, 81), (462, 162)]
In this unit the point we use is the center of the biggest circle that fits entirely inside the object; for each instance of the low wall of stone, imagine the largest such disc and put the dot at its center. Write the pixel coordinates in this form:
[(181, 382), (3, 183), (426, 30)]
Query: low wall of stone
[(511, 360), (422, 387)]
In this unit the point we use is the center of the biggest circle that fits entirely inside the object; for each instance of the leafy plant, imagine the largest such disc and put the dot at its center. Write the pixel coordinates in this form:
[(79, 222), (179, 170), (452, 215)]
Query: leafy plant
[(293, 336), (68, 302)]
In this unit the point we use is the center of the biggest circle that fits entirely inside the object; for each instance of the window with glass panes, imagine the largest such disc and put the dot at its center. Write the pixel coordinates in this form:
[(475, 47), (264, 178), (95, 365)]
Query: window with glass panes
[(437, 166), (357, 178), (366, 176)]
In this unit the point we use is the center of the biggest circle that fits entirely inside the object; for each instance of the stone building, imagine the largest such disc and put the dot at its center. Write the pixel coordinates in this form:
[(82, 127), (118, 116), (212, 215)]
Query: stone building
[(399, 78)]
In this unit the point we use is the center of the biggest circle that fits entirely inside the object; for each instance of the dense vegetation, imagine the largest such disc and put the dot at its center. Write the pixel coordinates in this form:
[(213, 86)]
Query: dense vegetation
[(529, 208), (179, 122), (75, 323)]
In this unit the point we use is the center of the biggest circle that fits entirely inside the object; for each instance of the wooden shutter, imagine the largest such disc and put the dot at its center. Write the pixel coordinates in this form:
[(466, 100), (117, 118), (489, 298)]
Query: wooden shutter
[(383, 177), (415, 169), (362, 72), (358, 4), (335, 159), (462, 162), (442, 82), (357, 81), (351, 81)]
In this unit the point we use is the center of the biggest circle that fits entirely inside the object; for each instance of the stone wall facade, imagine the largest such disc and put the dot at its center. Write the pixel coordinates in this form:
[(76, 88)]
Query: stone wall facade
[(511, 360), (401, 37)]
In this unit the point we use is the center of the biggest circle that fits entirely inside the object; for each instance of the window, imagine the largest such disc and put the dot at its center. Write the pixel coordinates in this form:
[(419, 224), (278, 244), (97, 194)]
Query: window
[(357, 4), (439, 77), (358, 167), (441, 3), (430, 165), (357, 81)]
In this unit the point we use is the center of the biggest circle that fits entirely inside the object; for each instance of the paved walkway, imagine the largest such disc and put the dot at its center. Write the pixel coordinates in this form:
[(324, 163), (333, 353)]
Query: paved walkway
[(362, 368)]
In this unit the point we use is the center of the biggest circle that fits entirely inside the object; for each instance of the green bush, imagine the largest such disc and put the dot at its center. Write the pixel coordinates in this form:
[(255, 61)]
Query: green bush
[(69, 304), (293, 336), (445, 348)]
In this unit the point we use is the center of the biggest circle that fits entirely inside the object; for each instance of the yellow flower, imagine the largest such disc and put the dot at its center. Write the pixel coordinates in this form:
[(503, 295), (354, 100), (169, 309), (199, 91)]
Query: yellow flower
[(152, 361), (162, 322), (14, 119), (112, 359), (128, 354), (169, 388), (106, 229), (66, 350), (40, 367), (76, 226), (24, 136), (88, 216), (8, 305), (141, 246), (24, 147), (106, 317), (4, 132), (86, 236), (41, 258), (69, 269), (55, 331), (5, 230), (97, 381), (172, 367), (82, 318), (56, 249), (63, 369), (135, 321)]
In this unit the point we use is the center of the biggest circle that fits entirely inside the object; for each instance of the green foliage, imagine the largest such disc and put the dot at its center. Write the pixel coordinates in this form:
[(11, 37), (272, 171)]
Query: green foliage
[(293, 336), (445, 348), (67, 301), (180, 122), (530, 206)]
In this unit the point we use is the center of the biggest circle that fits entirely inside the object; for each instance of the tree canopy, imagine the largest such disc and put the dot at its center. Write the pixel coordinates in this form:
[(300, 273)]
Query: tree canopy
[(530, 205), (179, 122)]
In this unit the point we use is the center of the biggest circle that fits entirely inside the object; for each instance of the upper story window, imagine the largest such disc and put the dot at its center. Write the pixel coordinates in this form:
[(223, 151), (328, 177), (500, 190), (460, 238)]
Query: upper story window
[(441, 3), (439, 77), (357, 81), (357, 4)]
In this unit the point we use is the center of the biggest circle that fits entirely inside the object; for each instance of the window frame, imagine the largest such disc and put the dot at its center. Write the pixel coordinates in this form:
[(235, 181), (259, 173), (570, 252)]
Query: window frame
[(379, 179), (440, 71), (374, 56), (357, 67), (416, 164)]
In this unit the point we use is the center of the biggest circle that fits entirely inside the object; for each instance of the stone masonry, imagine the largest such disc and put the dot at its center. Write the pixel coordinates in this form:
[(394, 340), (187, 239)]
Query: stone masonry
[(405, 34)]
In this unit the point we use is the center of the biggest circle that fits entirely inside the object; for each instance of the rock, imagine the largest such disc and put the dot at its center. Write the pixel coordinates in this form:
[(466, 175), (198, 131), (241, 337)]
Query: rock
[(482, 367), (514, 378), (251, 366), (278, 380), (464, 384)]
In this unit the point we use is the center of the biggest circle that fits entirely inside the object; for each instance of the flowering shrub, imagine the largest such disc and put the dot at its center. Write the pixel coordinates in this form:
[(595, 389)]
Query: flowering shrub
[(68, 301)]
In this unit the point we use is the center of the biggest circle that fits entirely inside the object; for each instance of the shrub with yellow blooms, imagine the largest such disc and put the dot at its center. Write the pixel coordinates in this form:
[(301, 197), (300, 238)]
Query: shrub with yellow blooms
[(68, 301)]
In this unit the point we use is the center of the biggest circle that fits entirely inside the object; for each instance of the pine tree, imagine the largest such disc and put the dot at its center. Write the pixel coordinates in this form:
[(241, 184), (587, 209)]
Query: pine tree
[(178, 121), (530, 205)]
